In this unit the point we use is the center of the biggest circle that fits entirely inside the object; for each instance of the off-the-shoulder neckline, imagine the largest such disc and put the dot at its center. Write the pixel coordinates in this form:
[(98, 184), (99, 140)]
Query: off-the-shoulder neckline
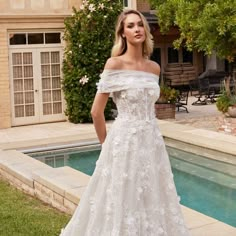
[(130, 70)]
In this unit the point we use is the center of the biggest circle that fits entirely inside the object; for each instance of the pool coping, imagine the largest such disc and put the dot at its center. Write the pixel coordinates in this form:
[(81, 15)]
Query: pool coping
[(57, 186)]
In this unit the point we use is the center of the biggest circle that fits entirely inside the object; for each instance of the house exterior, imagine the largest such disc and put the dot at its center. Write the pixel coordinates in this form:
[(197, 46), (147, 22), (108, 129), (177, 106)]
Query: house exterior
[(31, 51)]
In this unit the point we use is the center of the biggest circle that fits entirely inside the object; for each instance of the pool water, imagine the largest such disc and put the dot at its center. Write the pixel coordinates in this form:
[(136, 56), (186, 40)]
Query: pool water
[(202, 188), (206, 197)]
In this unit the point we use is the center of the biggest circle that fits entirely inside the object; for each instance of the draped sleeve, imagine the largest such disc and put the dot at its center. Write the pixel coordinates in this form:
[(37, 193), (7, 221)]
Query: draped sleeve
[(117, 80)]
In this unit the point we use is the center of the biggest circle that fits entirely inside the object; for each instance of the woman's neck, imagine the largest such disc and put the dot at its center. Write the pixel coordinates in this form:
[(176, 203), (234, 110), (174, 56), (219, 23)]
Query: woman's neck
[(134, 53)]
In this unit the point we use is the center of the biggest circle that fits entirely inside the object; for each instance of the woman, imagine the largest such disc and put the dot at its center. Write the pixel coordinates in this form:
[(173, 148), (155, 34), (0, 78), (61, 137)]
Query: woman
[(131, 191)]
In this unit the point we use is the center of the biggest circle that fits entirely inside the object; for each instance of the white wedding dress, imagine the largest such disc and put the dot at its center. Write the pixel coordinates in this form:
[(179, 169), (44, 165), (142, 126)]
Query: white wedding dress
[(131, 192)]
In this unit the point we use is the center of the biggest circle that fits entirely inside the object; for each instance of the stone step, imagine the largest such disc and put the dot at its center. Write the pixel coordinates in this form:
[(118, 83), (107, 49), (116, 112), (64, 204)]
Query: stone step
[(215, 165), (64, 181), (20, 166), (205, 173)]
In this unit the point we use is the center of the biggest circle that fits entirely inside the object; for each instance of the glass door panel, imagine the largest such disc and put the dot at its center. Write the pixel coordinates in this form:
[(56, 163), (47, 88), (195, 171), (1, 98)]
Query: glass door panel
[(51, 82), (23, 87)]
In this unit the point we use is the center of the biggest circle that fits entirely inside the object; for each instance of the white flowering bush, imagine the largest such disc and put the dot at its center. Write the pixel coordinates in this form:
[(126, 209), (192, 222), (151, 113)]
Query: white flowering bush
[(89, 36)]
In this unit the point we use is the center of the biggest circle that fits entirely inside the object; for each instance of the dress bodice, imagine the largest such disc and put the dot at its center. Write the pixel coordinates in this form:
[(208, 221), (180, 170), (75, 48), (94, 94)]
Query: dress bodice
[(134, 92)]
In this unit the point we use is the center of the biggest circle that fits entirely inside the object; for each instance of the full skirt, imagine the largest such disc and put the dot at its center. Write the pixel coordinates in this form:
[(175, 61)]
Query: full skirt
[(132, 192)]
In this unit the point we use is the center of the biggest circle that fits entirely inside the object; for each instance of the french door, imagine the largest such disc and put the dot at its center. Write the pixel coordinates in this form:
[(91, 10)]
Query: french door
[(36, 92)]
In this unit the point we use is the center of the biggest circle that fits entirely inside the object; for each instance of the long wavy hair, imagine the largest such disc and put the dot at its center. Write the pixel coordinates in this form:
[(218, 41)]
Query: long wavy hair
[(120, 45)]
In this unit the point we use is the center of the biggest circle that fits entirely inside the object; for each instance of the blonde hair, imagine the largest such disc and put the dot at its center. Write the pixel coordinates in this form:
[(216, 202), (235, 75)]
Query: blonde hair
[(120, 45)]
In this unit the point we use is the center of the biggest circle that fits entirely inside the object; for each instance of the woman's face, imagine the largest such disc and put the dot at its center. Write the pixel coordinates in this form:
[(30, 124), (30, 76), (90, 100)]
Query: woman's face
[(133, 29)]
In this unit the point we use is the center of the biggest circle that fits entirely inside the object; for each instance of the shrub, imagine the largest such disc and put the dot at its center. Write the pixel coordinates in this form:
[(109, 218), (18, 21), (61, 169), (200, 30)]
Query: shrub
[(227, 97), (223, 102), (89, 35)]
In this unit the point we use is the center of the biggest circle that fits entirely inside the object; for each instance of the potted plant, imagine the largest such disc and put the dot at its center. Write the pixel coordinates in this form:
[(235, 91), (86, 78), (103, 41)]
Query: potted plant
[(168, 95), (226, 102), (165, 105)]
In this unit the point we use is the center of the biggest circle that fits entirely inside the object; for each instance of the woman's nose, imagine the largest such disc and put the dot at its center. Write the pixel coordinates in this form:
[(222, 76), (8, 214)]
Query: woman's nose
[(137, 28)]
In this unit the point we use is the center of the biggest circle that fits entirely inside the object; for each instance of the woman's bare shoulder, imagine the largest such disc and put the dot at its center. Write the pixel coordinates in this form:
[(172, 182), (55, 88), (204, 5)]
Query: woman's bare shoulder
[(153, 67), (113, 63)]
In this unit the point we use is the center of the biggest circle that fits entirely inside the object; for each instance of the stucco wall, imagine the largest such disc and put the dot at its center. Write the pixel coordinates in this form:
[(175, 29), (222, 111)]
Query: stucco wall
[(4, 81), (16, 7)]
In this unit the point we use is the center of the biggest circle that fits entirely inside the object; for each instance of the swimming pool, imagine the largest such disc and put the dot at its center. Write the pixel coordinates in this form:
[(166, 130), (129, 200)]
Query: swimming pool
[(205, 185)]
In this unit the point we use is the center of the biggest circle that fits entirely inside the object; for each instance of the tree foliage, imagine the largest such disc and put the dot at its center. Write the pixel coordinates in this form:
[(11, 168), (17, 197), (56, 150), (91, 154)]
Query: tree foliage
[(205, 25), (89, 36)]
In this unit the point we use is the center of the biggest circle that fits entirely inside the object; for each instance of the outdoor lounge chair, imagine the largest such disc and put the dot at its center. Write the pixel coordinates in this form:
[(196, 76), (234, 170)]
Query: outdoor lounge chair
[(182, 101)]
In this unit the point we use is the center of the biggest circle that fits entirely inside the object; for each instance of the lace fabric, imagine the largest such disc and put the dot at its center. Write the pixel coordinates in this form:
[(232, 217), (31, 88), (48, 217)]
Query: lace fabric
[(131, 192)]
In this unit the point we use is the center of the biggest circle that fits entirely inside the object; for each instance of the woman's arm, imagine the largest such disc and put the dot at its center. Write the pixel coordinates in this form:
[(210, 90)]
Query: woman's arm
[(97, 113), (100, 102)]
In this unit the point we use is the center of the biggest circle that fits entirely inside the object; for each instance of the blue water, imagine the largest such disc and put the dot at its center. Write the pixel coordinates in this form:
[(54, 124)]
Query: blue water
[(207, 197), (198, 193), (84, 161)]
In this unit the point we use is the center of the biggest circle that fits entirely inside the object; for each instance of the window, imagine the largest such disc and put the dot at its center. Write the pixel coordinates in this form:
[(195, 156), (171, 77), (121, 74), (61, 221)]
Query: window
[(127, 3), (187, 56), (34, 38), (16, 39), (52, 38), (156, 55), (173, 55), (179, 56)]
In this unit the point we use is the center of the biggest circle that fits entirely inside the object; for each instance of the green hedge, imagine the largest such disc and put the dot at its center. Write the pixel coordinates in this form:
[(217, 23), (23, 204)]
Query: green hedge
[(89, 37)]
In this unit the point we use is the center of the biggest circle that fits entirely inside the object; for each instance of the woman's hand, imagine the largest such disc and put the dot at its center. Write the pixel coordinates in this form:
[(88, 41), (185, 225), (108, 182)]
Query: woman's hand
[(97, 113)]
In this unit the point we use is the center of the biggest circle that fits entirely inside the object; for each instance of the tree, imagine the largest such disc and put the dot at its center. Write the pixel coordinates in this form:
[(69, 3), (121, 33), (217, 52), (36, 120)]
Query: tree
[(89, 36), (205, 25)]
